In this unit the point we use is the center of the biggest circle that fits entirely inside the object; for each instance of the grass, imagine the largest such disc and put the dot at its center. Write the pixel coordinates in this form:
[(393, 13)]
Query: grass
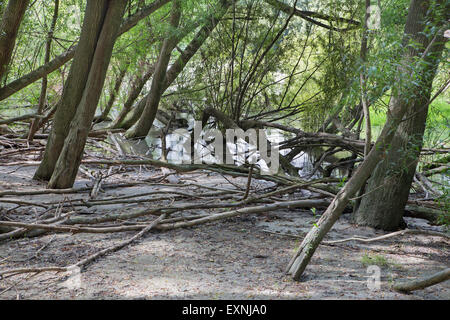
[(437, 131), (378, 260)]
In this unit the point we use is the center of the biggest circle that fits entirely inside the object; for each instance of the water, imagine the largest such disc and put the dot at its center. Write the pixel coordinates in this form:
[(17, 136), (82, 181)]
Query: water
[(151, 147)]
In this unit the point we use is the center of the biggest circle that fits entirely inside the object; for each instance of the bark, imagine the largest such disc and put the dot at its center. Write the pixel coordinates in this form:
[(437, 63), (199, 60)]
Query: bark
[(66, 167), (151, 106), (68, 55), (74, 87), (398, 107), (388, 187), (9, 27), (43, 96), (423, 283)]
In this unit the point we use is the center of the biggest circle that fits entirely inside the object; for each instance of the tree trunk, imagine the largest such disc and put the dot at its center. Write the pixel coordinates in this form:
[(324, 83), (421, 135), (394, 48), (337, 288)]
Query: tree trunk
[(43, 96), (74, 87), (113, 96), (136, 89), (9, 27), (399, 104), (69, 159), (179, 65), (63, 58), (157, 89), (388, 187)]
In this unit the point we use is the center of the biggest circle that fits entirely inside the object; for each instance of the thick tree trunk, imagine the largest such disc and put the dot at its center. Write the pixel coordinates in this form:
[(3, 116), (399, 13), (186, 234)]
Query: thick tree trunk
[(157, 89), (9, 27), (74, 87), (70, 157), (388, 187), (403, 90)]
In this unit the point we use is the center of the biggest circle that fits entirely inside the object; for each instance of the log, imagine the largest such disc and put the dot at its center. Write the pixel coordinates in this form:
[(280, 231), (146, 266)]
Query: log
[(422, 283)]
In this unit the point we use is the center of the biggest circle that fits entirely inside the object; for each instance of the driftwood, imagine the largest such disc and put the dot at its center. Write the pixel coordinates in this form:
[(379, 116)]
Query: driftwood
[(436, 170), (422, 283)]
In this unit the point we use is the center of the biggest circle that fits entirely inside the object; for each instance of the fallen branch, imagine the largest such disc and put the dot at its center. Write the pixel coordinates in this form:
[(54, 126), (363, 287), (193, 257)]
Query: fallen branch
[(65, 191), (256, 209), (20, 118), (390, 235), (422, 283), (23, 203)]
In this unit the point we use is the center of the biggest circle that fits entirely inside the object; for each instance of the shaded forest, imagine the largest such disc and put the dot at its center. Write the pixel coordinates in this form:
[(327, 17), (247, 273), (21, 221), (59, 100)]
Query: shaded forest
[(320, 128)]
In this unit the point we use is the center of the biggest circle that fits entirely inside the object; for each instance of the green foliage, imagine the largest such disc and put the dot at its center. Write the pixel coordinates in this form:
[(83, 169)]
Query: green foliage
[(378, 260)]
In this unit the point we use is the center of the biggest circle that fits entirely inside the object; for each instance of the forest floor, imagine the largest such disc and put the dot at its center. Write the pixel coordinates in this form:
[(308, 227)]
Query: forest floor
[(238, 258)]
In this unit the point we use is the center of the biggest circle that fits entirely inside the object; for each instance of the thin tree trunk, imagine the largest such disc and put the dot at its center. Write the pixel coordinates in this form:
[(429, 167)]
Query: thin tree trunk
[(136, 89), (424, 282), (43, 96), (69, 159), (149, 113), (181, 62), (136, 113), (400, 101), (363, 82), (364, 99), (9, 27), (113, 96)]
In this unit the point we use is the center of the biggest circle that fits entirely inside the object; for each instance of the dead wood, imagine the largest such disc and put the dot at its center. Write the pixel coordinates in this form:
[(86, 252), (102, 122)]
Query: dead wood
[(422, 283), (390, 235)]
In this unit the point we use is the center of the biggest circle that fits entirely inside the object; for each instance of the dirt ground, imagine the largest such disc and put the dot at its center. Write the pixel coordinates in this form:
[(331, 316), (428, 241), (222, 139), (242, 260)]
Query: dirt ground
[(238, 258)]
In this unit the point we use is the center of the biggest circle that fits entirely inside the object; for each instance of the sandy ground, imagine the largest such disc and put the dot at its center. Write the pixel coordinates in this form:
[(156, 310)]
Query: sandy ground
[(238, 258)]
